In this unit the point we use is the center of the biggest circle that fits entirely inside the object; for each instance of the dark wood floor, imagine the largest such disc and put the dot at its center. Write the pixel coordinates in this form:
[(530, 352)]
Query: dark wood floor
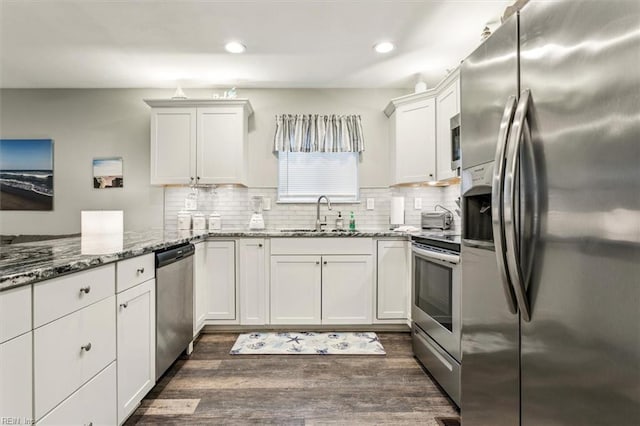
[(213, 387)]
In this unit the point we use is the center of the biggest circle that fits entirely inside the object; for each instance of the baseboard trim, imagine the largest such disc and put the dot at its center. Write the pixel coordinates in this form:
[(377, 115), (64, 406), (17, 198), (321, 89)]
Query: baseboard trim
[(244, 328)]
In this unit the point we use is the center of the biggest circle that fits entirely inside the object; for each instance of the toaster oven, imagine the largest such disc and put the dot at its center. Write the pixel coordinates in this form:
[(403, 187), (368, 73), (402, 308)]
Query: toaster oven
[(436, 220)]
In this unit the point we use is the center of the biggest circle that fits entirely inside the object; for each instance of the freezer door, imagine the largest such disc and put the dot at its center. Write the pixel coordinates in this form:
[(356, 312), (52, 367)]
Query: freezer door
[(581, 350), (487, 78), (490, 357)]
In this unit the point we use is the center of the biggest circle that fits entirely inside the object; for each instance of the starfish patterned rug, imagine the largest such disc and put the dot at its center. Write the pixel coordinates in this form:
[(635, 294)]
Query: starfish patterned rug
[(308, 343)]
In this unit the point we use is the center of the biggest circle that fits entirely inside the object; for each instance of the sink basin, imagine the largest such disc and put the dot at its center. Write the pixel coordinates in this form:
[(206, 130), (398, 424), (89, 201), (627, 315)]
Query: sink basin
[(300, 230)]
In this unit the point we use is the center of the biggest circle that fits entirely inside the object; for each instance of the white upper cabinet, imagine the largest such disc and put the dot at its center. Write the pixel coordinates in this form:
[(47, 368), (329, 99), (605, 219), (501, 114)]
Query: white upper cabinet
[(199, 141), (413, 138), (420, 133), (447, 105)]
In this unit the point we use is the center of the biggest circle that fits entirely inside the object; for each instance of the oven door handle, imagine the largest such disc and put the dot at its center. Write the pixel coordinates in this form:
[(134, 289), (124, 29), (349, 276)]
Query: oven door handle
[(497, 192), (428, 255)]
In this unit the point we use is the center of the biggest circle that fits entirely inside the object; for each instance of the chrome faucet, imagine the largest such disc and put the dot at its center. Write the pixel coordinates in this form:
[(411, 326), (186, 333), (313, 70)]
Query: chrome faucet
[(320, 224)]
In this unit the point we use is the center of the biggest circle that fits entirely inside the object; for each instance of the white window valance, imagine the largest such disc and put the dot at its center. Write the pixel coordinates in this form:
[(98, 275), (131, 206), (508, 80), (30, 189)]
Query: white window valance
[(318, 133)]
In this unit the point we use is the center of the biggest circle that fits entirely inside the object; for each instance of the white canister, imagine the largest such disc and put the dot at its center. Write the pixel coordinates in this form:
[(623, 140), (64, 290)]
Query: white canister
[(215, 222), (199, 222), (184, 220)]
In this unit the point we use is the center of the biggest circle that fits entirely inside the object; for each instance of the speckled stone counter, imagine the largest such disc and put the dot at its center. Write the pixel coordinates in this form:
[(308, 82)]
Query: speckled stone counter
[(22, 264)]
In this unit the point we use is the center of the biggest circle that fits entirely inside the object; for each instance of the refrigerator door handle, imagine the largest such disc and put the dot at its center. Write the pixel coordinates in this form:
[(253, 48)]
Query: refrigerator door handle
[(497, 189), (511, 238)]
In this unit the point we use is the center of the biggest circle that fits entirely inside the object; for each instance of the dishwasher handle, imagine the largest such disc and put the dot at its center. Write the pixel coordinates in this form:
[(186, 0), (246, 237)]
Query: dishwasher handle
[(173, 254)]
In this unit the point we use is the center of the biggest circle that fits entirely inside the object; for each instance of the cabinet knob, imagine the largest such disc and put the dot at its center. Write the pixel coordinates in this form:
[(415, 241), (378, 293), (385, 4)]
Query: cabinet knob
[(86, 347), (260, 245), (85, 290), (141, 270), (124, 305), (191, 179), (318, 262), (88, 424), (197, 178), (325, 262)]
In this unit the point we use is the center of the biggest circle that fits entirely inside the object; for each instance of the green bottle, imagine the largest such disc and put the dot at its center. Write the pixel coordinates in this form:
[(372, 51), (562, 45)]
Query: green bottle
[(352, 222)]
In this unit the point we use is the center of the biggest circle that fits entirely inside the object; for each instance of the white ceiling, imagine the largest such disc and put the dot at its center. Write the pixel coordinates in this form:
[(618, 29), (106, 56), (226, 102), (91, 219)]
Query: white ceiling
[(293, 43)]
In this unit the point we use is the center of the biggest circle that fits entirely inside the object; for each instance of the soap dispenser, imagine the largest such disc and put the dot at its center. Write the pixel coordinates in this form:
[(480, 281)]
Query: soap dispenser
[(352, 222), (339, 222)]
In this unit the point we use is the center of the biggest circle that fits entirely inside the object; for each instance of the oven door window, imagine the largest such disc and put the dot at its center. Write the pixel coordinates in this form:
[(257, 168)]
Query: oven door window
[(433, 291)]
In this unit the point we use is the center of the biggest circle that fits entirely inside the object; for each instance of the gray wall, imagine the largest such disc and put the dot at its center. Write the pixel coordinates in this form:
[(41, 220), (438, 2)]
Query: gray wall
[(87, 124)]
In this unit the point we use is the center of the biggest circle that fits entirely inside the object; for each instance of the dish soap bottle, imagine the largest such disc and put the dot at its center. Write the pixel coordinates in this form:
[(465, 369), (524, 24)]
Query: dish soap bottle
[(352, 222), (339, 222)]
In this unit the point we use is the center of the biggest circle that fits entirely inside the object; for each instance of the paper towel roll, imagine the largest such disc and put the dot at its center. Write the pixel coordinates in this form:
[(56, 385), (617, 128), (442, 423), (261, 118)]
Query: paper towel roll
[(397, 210)]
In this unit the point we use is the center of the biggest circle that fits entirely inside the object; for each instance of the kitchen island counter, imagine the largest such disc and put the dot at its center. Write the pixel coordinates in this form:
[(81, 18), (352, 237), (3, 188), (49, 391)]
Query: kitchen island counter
[(26, 263)]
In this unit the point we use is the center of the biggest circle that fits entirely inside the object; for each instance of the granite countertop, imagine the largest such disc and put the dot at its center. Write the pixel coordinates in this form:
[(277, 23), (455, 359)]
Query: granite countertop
[(22, 264)]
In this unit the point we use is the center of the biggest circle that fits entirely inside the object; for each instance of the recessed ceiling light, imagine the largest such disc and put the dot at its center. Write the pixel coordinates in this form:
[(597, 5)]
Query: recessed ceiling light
[(235, 47), (383, 47)]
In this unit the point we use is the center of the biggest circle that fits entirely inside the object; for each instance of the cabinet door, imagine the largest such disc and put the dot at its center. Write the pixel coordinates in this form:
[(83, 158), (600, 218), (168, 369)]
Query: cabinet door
[(16, 378), (393, 279), (221, 145), (448, 105), (221, 280), (347, 288), (173, 145), (71, 350), (93, 404), (136, 318), (415, 142), (254, 300), (295, 289), (200, 293)]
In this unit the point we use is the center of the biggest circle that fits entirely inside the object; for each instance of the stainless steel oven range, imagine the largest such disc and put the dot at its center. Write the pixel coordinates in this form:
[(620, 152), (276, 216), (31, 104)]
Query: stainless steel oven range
[(435, 311)]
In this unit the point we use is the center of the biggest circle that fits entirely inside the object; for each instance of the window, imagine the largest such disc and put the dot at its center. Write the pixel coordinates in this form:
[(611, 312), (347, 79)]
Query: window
[(304, 176)]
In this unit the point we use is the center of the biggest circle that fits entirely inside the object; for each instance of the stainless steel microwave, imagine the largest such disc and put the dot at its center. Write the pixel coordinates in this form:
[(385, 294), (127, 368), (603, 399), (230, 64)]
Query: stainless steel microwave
[(455, 142)]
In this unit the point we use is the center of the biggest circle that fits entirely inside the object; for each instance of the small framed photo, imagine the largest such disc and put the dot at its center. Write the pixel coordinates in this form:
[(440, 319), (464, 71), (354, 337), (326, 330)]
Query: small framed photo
[(107, 173)]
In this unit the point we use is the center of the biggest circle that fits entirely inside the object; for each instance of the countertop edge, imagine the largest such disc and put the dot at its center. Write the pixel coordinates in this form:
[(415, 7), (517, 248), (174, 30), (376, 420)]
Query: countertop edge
[(38, 274)]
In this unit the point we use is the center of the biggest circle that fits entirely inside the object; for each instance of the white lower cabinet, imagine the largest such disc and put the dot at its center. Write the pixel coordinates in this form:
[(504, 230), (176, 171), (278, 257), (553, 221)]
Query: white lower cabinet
[(295, 289), (70, 351), (394, 280), (253, 282), (136, 318), (93, 404), (327, 289), (347, 288), (221, 280), (199, 287), (16, 378)]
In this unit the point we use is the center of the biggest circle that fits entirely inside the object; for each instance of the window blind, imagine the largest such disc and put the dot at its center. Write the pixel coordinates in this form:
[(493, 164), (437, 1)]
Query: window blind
[(304, 176)]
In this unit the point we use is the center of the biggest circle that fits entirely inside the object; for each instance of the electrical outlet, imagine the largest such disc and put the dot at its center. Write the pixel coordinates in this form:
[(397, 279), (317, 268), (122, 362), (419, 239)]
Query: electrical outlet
[(371, 202), (266, 203), (417, 203)]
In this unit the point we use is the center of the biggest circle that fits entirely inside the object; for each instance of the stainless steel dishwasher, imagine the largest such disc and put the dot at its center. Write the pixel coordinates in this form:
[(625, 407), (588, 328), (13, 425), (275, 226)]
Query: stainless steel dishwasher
[(174, 304)]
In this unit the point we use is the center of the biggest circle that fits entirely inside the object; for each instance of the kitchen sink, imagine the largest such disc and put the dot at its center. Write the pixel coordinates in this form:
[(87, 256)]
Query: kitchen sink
[(300, 230)]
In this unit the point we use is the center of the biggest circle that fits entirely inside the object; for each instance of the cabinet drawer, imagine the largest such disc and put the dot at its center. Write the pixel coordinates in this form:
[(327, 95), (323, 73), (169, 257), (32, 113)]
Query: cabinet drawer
[(15, 378), (61, 364), (57, 297), (15, 312), (93, 404), (319, 245), (134, 271)]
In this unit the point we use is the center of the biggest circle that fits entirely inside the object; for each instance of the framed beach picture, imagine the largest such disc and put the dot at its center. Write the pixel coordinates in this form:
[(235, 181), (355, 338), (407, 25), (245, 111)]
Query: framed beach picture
[(107, 173), (26, 174)]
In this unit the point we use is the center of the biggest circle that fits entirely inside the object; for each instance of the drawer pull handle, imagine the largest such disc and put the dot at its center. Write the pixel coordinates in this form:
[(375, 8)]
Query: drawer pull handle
[(85, 290), (124, 305), (86, 347), (141, 270)]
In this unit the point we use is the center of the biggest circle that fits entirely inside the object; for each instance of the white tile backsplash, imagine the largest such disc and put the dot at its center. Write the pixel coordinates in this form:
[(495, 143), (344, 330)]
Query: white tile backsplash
[(233, 204)]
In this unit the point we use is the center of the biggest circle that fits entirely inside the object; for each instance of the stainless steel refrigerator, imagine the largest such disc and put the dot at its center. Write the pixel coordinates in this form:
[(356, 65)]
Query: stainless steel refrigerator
[(550, 139)]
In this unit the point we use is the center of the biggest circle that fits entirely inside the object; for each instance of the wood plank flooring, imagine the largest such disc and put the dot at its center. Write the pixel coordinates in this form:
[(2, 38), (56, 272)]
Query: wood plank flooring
[(213, 387)]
